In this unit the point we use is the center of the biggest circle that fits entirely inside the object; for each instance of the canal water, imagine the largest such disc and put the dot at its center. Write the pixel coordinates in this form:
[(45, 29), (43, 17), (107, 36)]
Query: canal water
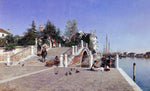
[(142, 71)]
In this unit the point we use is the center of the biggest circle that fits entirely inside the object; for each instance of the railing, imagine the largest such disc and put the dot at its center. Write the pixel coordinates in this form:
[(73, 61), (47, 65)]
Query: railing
[(69, 54), (67, 57), (23, 54)]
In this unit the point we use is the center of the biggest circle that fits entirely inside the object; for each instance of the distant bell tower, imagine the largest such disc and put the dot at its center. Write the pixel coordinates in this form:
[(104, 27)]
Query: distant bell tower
[(40, 28), (8, 30)]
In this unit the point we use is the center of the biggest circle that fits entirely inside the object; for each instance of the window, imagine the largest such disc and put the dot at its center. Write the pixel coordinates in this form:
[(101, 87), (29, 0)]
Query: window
[(2, 35)]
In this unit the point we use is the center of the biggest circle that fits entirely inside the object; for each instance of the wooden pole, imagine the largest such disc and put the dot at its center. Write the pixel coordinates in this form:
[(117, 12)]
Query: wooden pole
[(134, 64)]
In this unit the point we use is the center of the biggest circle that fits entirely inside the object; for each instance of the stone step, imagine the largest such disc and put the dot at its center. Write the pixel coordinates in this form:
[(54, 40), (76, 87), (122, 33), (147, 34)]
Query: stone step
[(51, 54)]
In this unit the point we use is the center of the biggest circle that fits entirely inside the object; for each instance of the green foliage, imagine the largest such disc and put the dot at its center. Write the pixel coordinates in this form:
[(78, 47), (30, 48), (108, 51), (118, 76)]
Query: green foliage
[(50, 31), (10, 39), (10, 46), (16, 37), (30, 35), (71, 29), (2, 42), (86, 38), (69, 44)]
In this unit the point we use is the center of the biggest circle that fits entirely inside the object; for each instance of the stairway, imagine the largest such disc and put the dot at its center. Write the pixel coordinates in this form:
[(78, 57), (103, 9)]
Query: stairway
[(51, 54)]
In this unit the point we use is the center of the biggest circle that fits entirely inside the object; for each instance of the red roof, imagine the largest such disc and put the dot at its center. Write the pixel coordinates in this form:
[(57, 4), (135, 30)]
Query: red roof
[(1, 30)]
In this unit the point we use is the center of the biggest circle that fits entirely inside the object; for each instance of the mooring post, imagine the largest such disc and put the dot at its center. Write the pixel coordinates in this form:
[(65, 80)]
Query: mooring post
[(8, 60), (91, 59), (76, 50), (82, 43), (50, 43), (59, 44), (32, 50), (61, 60), (86, 45), (72, 50), (35, 41), (117, 61), (66, 61), (134, 64)]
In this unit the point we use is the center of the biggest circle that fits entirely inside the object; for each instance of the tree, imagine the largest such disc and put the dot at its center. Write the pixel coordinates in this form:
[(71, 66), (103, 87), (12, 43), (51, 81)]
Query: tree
[(51, 31), (2, 42), (9, 39), (71, 29), (30, 35), (16, 37)]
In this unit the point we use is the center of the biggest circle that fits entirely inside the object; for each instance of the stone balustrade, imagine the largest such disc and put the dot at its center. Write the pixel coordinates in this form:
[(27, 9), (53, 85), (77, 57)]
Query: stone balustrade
[(29, 51), (67, 57)]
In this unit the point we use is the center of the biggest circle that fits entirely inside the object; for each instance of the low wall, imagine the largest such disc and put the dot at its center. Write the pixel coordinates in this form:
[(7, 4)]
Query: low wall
[(12, 52), (15, 58), (22, 54), (129, 80)]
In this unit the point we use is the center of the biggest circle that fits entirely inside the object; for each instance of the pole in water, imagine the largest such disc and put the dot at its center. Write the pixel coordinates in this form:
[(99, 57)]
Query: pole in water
[(134, 64)]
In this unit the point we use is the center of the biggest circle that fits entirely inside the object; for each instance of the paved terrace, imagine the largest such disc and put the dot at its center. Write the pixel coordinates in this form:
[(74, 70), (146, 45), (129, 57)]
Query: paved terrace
[(28, 66), (85, 80), (34, 76)]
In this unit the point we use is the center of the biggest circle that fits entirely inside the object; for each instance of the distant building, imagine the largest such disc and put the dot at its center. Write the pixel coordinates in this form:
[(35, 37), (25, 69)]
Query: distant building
[(140, 55), (131, 54), (4, 33), (41, 28), (93, 41), (125, 54), (92, 38)]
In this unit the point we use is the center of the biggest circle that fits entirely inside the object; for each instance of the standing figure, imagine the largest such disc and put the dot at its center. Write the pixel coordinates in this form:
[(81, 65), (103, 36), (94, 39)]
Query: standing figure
[(39, 49), (54, 43), (44, 54)]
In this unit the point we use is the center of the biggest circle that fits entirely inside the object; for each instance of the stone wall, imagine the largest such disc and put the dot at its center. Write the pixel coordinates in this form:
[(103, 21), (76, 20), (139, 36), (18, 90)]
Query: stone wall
[(22, 54)]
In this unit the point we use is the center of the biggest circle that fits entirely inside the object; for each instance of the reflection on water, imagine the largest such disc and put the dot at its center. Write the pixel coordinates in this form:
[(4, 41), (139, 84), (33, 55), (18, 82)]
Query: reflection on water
[(142, 70)]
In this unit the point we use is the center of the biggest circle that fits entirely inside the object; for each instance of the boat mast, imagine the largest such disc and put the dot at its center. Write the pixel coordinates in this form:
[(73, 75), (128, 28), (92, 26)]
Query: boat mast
[(106, 44), (109, 47)]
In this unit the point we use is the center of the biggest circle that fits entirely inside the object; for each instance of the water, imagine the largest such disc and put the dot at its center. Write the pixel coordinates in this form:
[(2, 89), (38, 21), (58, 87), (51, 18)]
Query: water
[(142, 71)]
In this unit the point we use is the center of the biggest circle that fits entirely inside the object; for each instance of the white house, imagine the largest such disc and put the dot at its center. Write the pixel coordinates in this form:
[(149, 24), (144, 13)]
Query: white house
[(93, 41), (4, 33)]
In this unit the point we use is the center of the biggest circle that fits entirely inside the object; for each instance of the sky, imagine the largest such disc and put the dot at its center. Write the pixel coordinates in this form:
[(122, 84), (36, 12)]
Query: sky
[(126, 22)]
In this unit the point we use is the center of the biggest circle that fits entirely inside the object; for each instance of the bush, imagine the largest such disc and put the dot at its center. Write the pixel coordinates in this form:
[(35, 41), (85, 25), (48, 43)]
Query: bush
[(10, 46), (69, 44)]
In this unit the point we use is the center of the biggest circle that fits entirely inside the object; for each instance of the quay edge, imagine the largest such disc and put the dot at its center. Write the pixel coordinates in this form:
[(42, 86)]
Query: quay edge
[(129, 80)]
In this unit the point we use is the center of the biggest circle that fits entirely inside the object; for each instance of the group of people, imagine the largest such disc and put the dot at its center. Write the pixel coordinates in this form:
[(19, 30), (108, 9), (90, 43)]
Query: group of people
[(55, 62), (41, 51), (104, 65)]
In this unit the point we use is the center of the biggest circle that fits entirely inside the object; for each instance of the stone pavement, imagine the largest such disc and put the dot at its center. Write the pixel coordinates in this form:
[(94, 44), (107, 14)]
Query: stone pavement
[(85, 80), (30, 65)]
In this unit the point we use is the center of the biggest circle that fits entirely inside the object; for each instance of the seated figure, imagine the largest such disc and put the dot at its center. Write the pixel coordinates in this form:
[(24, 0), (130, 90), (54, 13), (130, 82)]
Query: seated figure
[(56, 62), (95, 67)]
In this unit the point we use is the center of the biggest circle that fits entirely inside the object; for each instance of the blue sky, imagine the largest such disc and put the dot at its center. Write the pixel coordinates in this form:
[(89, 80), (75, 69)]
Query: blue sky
[(127, 22)]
